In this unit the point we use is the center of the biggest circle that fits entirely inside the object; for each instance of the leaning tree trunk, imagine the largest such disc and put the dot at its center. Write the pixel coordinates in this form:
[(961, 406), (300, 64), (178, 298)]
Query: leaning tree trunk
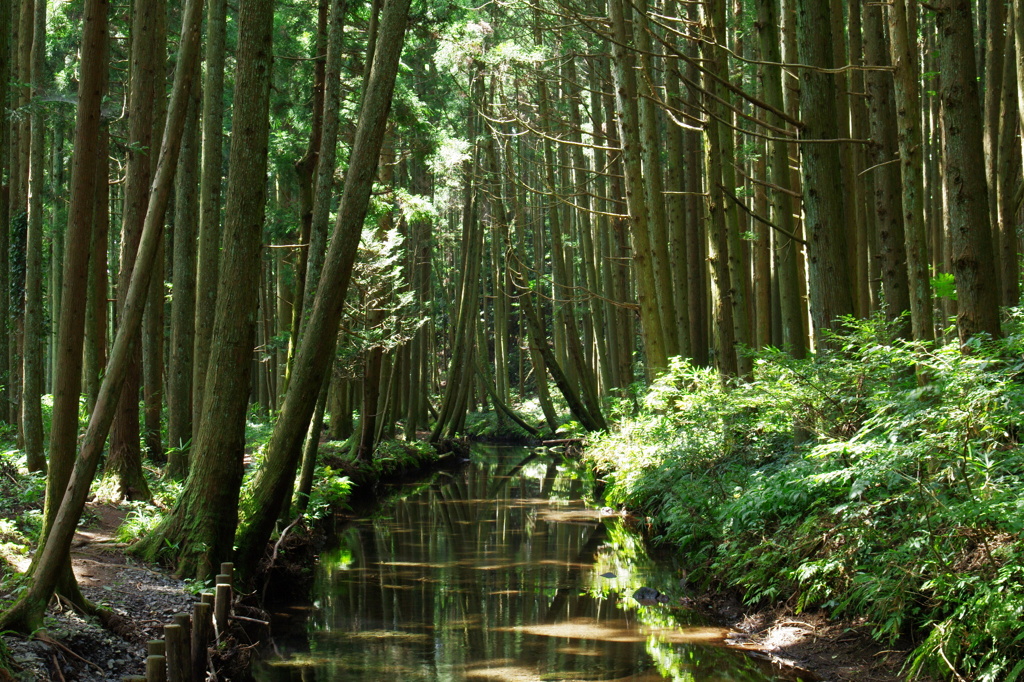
[(316, 347), (27, 612)]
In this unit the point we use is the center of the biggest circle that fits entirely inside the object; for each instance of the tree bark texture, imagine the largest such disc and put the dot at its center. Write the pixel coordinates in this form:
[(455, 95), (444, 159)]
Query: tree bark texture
[(964, 187), (316, 348)]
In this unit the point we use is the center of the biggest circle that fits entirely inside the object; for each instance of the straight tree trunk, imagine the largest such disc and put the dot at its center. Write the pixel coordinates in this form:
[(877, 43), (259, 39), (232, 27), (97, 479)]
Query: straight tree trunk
[(632, 156), (374, 378), (96, 304), (153, 336), (564, 295), (783, 208), (5, 217), (722, 287), (993, 18), (970, 232), (32, 411), (125, 458), (208, 248), (460, 375), (908, 121), (830, 291), (1006, 175), (654, 190), (888, 201), (20, 56), (183, 302)]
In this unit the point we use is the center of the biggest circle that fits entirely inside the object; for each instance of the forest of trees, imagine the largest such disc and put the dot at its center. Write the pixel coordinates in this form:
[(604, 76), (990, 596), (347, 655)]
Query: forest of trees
[(376, 218)]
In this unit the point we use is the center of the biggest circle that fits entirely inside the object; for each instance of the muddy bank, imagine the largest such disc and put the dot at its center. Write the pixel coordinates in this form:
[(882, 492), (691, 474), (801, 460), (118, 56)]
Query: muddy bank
[(831, 651)]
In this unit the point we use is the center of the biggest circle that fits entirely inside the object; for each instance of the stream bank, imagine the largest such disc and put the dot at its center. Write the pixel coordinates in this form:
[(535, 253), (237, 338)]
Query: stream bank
[(502, 569)]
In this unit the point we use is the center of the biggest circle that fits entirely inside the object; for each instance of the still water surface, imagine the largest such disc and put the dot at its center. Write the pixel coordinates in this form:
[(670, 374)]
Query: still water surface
[(499, 571)]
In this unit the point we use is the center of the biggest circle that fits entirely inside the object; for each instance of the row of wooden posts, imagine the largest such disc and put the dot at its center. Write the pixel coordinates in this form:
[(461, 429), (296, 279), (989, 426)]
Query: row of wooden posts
[(181, 656)]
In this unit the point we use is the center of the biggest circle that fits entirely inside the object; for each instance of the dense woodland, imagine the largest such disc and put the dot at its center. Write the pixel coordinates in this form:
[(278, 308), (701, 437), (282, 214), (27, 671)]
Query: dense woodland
[(377, 218)]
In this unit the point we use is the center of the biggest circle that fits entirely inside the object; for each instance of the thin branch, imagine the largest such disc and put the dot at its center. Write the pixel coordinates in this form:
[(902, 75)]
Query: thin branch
[(759, 218)]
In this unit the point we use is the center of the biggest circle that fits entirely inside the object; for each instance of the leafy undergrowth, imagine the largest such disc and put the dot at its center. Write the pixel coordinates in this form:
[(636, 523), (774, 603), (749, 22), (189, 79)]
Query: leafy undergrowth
[(878, 480), (390, 458)]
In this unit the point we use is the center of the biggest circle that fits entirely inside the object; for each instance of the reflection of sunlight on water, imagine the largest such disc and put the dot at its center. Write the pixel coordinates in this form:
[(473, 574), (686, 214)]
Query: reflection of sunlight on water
[(621, 631), (501, 572), (497, 673)]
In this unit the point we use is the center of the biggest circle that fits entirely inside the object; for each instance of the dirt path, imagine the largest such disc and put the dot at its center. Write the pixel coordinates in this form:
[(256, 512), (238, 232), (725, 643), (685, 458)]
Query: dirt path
[(144, 597)]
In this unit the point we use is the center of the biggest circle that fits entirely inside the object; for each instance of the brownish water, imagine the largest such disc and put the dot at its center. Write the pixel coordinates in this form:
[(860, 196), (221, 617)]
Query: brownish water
[(500, 571)]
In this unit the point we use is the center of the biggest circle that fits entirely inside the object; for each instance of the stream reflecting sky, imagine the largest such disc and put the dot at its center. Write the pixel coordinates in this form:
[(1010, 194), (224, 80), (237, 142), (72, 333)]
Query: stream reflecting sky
[(498, 572)]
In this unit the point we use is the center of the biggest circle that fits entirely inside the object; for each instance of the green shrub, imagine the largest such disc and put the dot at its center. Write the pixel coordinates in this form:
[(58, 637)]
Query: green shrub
[(901, 504)]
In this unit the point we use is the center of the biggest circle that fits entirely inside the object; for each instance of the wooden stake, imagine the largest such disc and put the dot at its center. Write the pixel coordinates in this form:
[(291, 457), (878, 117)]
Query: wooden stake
[(156, 668), (202, 628)]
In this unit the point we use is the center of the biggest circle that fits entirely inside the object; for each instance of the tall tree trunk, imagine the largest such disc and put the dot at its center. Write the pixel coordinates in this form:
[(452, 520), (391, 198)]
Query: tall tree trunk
[(994, 20), (5, 217), (885, 174), (153, 336), (316, 347), (87, 172), (208, 249), (970, 232), (32, 410), (96, 303), (125, 458), (783, 208), (183, 302), (374, 377), (650, 146), (565, 298), (204, 519), (830, 292), (1006, 174), (632, 155), (722, 287), (903, 45), (460, 374)]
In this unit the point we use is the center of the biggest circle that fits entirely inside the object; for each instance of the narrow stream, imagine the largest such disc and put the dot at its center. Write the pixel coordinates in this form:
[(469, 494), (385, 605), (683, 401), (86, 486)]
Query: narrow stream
[(498, 571)]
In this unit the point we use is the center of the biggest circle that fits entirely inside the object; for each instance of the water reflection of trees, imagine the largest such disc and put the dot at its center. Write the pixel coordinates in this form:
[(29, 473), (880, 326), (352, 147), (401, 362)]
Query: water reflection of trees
[(486, 574)]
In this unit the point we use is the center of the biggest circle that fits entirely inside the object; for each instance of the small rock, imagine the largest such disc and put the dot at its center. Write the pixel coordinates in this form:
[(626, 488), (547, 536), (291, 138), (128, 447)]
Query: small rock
[(648, 596)]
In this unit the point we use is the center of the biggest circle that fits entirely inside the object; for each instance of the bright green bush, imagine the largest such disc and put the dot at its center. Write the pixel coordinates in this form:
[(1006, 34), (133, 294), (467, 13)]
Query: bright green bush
[(900, 503)]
